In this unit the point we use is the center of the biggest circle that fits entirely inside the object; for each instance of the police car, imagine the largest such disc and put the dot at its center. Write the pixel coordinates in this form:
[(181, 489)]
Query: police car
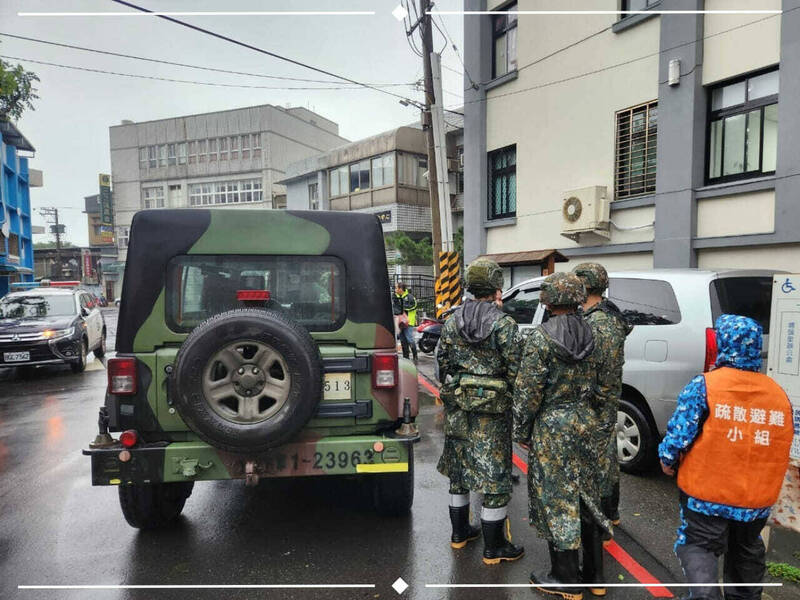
[(50, 323)]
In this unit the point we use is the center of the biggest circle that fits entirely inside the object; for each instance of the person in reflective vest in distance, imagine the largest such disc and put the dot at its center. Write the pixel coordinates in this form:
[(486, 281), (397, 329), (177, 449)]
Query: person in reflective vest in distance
[(729, 442), (405, 303)]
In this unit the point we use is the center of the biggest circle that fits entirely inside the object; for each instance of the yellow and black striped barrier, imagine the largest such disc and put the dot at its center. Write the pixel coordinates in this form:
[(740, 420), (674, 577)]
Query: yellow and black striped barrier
[(448, 286)]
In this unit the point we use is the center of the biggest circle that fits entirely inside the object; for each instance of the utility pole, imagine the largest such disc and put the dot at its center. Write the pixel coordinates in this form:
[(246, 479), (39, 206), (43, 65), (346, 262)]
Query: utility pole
[(427, 124), (53, 212)]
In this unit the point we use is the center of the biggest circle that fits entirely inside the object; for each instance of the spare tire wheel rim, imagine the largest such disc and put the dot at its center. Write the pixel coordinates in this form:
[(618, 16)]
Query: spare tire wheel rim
[(246, 382)]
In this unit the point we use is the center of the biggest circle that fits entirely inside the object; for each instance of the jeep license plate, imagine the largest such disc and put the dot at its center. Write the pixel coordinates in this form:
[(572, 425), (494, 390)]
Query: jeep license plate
[(338, 386), (16, 356)]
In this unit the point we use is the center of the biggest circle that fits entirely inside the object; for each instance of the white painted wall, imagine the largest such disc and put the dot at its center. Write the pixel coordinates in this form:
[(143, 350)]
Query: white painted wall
[(736, 215), (629, 261), (736, 44), (565, 132), (781, 257)]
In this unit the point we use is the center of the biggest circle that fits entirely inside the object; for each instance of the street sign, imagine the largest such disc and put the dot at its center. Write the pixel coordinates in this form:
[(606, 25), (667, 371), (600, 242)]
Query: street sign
[(106, 212), (58, 228)]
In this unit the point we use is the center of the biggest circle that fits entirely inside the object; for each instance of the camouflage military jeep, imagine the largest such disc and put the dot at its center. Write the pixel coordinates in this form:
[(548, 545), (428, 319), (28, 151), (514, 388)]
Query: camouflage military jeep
[(251, 344)]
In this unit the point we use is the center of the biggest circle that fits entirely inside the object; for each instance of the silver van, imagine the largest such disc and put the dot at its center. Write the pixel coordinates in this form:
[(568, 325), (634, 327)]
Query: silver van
[(673, 313)]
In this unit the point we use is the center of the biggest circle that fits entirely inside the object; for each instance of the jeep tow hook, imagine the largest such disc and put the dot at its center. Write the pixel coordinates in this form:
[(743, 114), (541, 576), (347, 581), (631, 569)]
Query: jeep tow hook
[(250, 475)]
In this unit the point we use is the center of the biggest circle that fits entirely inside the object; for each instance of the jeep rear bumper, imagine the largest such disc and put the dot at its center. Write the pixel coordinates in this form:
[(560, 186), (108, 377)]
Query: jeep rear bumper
[(198, 461)]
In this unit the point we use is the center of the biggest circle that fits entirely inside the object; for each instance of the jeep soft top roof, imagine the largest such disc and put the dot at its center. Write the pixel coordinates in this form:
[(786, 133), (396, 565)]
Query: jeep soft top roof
[(156, 236)]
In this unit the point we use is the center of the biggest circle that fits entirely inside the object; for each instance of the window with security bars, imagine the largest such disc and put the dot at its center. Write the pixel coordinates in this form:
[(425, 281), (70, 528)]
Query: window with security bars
[(503, 183), (637, 138)]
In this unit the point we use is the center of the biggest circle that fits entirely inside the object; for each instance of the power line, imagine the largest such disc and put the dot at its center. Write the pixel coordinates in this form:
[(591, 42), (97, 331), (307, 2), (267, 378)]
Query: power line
[(458, 54), (171, 80), (178, 64), (266, 52)]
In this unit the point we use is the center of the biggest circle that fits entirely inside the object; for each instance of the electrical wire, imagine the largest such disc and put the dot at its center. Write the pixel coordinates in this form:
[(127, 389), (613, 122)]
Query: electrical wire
[(458, 54), (172, 80), (275, 55), (178, 64)]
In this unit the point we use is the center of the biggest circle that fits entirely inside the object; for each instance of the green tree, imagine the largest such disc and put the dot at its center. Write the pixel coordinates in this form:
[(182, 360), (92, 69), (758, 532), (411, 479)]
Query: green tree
[(16, 91), (46, 245), (413, 253)]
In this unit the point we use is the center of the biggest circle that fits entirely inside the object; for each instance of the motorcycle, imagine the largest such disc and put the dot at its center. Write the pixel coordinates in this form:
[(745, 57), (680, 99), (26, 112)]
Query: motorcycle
[(431, 330)]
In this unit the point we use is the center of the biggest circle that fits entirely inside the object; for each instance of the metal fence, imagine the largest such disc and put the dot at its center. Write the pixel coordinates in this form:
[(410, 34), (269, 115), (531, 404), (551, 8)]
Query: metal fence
[(422, 287)]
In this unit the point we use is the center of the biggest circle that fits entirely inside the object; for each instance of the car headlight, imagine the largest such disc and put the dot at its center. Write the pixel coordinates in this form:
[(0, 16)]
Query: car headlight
[(55, 334)]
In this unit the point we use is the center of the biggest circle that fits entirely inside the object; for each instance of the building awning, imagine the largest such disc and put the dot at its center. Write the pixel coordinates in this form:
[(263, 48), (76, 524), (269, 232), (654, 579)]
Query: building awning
[(13, 137), (529, 257)]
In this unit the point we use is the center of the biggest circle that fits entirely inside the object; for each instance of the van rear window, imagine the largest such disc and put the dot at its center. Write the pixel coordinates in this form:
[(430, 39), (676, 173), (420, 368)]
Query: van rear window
[(308, 289), (746, 296), (645, 301)]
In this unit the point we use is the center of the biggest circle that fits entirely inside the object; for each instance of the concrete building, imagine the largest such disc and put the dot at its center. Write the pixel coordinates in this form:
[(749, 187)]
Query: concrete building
[(385, 175), (16, 241), (638, 141), (230, 159)]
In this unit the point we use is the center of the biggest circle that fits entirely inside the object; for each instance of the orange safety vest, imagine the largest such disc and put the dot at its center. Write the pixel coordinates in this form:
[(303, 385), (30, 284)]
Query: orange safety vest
[(741, 456)]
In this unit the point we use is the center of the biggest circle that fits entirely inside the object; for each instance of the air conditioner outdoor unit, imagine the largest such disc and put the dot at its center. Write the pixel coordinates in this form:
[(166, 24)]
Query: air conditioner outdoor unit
[(453, 165), (585, 214)]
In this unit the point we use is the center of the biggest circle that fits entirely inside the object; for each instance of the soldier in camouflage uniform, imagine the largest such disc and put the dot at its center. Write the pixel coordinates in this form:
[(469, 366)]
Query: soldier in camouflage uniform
[(610, 329), (554, 418), (477, 358)]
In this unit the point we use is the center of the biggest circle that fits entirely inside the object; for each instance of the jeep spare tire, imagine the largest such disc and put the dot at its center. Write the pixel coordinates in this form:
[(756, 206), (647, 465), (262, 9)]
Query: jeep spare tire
[(247, 380)]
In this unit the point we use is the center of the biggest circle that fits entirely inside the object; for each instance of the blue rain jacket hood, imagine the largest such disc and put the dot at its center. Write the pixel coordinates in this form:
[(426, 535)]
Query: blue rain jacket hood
[(739, 342)]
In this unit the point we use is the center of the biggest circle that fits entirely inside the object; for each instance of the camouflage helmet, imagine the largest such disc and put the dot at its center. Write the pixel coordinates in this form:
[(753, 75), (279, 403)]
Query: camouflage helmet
[(593, 275), (483, 277), (562, 289)]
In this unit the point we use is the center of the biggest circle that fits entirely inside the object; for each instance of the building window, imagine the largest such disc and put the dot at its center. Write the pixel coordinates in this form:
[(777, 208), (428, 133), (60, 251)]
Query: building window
[(192, 152), (635, 163), (172, 155), (505, 42), (234, 147), (246, 146), (256, 145), (182, 153), (212, 150), (638, 5), (383, 170), (202, 150), (503, 183), (359, 176), (143, 157), (225, 192), (152, 156), (460, 172), (223, 148), (313, 195), (153, 197), (162, 155), (743, 128), (123, 236), (339, 181)]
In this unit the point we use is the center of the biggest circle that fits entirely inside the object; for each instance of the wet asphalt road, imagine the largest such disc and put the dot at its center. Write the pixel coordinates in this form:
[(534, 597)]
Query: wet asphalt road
[(56, 529)]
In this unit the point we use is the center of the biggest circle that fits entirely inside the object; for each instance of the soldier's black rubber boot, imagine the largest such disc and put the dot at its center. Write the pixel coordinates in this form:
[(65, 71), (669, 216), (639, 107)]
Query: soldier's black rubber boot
[(563, 570), (497, 547), (610, 505), (463, 532), (592, 547)]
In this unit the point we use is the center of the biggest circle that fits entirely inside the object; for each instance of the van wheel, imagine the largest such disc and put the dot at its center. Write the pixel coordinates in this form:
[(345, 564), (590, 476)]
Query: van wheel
[(153, 505), (636, 440), (393, 493), (79, 366), (100, 351)]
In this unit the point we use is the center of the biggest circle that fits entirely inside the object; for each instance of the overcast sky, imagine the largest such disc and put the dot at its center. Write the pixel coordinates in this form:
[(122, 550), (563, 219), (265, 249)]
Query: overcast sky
[(69, 127)]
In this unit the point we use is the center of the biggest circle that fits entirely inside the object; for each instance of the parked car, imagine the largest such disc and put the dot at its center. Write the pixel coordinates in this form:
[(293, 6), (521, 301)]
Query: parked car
[(252, 344), (47, 325), (673, 312)]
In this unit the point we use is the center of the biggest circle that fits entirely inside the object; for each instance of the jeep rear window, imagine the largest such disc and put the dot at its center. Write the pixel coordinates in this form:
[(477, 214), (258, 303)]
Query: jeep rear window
[(645, 301), (307, 289), (746, 296)]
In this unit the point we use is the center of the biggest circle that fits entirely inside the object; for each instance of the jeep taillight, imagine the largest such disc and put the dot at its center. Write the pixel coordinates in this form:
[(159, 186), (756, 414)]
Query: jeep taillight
[(384, 370), (121, 376), (711, 350)]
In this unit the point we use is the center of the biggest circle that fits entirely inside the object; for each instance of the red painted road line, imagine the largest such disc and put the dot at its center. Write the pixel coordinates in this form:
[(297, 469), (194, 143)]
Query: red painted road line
[(637, 570), (641, 574)]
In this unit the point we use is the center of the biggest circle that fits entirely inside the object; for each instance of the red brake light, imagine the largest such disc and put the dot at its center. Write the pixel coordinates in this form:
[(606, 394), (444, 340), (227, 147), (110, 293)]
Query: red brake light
[(250, 295), (384, 371), (711, 350), (128, 438), (121, 376)]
